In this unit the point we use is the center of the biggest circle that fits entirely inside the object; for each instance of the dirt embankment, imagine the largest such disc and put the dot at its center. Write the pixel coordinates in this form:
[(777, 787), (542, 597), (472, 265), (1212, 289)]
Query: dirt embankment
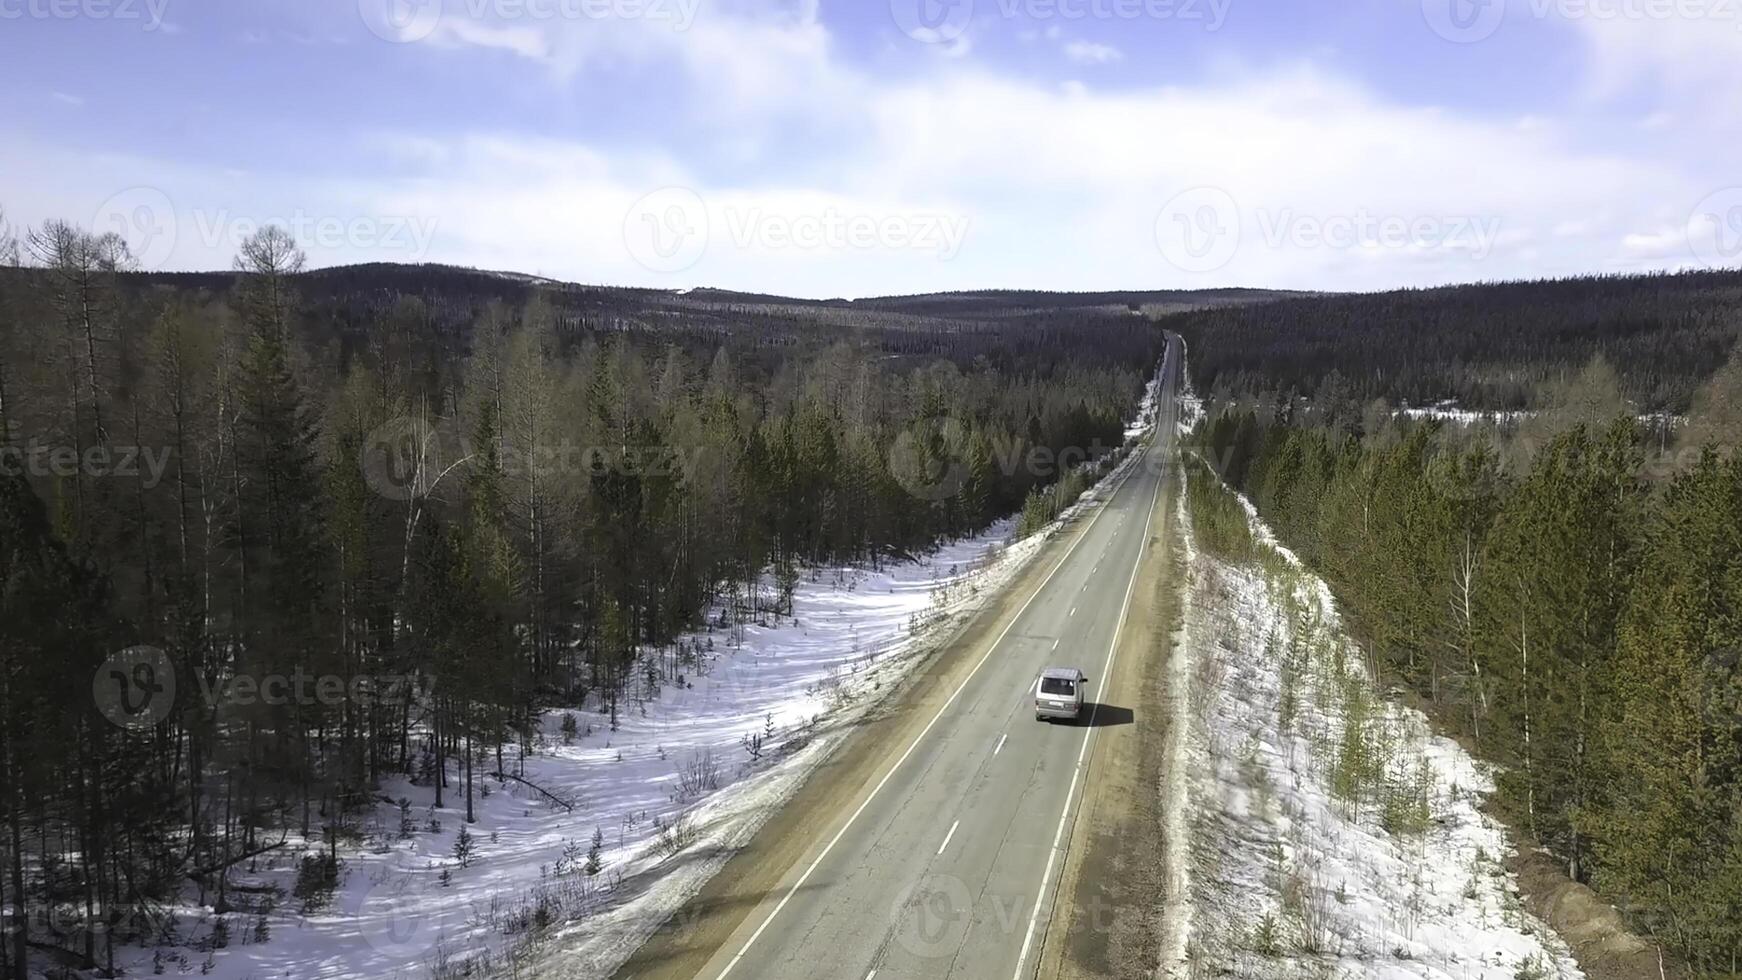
[(1603, 945)]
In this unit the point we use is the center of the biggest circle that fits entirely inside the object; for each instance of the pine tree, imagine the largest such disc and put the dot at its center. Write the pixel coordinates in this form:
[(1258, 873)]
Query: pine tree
[(1669, 838)]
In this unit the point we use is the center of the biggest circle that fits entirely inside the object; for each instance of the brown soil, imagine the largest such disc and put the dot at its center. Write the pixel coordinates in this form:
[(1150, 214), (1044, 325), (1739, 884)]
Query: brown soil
[(1603, 945)]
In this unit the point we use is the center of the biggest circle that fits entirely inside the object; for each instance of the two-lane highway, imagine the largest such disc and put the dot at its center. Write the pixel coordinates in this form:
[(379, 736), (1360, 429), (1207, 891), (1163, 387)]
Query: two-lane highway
[(947, 865)]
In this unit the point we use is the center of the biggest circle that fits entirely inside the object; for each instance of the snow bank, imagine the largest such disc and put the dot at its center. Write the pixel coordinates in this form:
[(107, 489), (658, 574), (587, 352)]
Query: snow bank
[(1334, 833)]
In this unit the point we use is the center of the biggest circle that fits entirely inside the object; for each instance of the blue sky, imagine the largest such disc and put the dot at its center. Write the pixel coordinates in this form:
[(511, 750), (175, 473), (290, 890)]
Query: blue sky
[(876, 146)]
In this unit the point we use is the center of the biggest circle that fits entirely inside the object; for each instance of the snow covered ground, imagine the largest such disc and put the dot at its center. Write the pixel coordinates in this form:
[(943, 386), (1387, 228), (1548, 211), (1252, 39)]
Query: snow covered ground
[(652, 808), (1449, 411), (1334, 835), (682, 773)]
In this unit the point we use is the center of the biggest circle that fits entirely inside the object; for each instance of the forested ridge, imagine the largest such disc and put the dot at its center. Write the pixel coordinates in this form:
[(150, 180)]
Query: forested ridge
[(493, 490), (1568, 593), (1489, 346)]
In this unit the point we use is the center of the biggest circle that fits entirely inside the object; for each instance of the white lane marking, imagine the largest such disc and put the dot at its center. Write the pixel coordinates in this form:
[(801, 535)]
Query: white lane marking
[(1073, 610), (871, 976), (830, 846), (947, 837), (1055, 646), (1077, 775), (1000, 746)]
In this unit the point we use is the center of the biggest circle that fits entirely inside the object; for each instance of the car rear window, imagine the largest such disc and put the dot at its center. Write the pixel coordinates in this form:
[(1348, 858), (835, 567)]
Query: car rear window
[(1057, 685)]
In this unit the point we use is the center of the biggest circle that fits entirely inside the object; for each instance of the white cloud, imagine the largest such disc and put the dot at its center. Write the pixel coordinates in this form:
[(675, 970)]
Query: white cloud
[(1056, 185), (1090, 53)]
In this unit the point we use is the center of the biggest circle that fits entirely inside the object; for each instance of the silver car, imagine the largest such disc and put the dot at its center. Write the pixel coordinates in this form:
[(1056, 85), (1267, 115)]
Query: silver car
[(1058, 693)]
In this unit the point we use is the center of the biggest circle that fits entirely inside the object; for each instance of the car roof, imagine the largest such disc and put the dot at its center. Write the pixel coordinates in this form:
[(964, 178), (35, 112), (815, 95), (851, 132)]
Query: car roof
[(1062, 673)]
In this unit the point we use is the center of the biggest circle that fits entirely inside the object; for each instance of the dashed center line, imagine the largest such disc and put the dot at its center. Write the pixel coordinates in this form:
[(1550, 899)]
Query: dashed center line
[(1073, 610), (949, 835), (1000, 746)]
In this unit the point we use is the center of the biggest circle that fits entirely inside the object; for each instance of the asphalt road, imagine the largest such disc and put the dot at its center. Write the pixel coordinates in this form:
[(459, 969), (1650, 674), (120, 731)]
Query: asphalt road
[(949, 867)]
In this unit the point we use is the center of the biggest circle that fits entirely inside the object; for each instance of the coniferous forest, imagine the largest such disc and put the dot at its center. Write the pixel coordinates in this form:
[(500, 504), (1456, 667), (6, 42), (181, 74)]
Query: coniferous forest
[(1491, 346), (1563, 586), (499, 492)]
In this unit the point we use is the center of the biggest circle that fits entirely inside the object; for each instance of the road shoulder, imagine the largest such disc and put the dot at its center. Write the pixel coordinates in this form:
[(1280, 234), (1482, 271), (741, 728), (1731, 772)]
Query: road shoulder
[(711, 921), (1107, 905)]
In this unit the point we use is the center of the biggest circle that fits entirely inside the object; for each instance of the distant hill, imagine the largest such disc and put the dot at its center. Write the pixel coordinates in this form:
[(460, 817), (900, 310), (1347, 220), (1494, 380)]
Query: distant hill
[(1487, 346)]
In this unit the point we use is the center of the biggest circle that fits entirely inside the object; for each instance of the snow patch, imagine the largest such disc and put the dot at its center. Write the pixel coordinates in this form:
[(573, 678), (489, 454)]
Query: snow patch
[(1334, 834)]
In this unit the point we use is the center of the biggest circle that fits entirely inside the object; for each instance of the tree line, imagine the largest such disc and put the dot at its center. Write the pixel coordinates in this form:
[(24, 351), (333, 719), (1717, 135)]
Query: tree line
[(1570, 603), (505, 492), (1489, 346)]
